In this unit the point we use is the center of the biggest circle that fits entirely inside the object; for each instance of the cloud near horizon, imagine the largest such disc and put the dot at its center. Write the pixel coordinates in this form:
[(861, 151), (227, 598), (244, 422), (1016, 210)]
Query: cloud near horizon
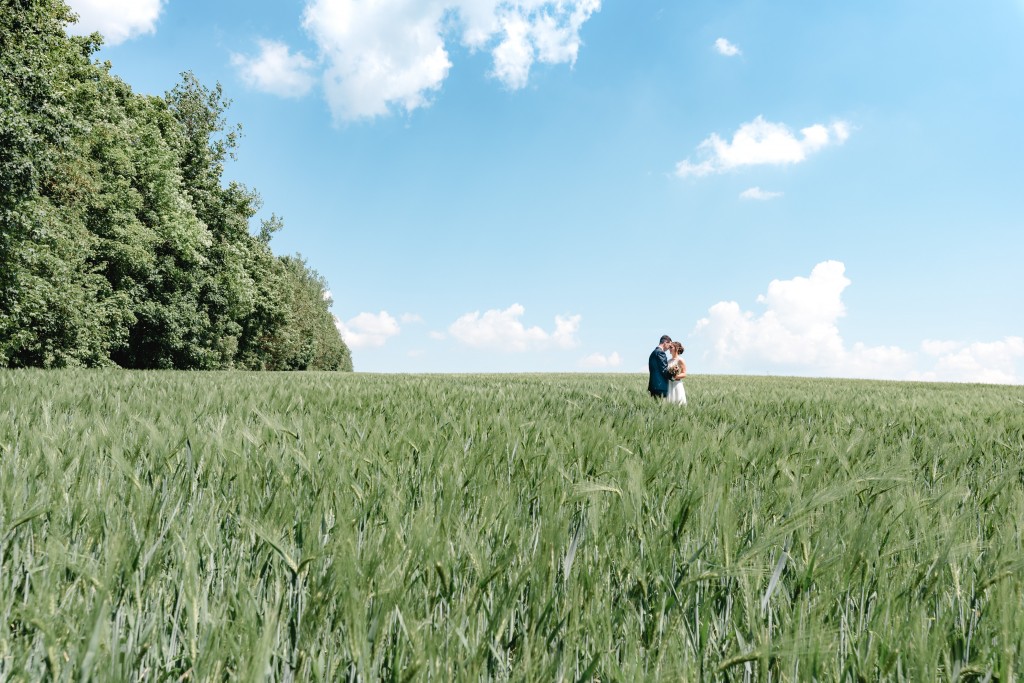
[(116, 20), (387, 56), (598, 361), (503, 331), (797, 333), (761, 142), (368, 330), (996, 362)]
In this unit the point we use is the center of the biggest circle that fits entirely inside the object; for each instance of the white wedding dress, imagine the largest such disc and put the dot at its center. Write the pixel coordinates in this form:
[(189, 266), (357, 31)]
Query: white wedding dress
[(676, 392)]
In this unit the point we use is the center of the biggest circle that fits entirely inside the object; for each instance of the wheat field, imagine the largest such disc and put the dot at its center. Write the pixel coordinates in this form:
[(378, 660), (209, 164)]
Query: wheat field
[(320, 526)]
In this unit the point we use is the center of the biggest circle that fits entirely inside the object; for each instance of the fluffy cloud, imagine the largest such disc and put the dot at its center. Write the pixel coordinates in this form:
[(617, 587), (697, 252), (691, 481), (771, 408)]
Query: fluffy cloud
[(503, 331), (378, 53), (599, 361), (368, 329), (391, 54), (117, 20), (276, 70), (797, 333), (989, 362), (546, 32), (761, 142), (724, 47), (756, 193), (799, 325)]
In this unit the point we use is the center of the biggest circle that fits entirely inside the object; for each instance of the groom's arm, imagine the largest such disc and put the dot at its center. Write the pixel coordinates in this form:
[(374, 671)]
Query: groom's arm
[(663, 365)]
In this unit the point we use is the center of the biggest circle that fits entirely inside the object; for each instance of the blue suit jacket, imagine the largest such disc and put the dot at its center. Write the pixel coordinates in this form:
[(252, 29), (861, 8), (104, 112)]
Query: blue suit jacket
[(658, 366)]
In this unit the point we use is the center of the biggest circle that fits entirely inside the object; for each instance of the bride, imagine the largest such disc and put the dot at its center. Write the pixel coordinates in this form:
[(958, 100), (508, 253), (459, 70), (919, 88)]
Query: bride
[(676, 392)]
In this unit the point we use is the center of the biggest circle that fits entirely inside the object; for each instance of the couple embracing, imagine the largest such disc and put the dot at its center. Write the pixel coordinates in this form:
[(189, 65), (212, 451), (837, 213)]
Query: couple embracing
[(667, 372)]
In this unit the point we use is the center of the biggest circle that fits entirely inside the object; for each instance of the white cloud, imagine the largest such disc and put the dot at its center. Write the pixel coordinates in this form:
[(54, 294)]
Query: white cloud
[(379, 54), (564, 336), (117, 20), (276, 70), (514, 55), (756, 193), (411, 318), (989, 362), (368, 329), (797, 333), (761, 142), (502, 331), (393, 54), (548, 32), (599, 361), (724, 47), (797, 327)]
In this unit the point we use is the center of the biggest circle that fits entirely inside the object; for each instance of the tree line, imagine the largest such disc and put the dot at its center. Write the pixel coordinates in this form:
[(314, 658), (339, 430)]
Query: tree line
[(121, 243)]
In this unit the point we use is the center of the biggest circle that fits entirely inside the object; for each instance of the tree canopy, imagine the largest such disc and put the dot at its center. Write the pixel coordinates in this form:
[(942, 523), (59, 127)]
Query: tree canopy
[(121, 243)]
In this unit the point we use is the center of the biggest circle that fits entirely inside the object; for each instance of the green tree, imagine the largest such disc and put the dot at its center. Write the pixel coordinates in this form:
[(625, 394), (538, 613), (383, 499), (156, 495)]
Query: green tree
[(309, 340), (119, 240), (227, 280), (55, 308)]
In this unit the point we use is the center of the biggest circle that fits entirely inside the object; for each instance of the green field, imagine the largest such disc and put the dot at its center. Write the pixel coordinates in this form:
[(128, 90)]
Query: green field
[(222, 526)]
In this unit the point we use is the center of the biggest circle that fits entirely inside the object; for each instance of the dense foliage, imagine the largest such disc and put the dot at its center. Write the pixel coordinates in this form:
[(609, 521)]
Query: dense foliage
[(120, 242), (340, 526)]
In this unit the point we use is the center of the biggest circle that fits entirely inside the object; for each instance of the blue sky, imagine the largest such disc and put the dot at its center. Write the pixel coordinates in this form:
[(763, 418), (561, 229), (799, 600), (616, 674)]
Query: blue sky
[(821, 189)]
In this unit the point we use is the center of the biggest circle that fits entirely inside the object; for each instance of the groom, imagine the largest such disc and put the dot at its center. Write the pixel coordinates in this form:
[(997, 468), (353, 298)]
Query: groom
[(657, 364)]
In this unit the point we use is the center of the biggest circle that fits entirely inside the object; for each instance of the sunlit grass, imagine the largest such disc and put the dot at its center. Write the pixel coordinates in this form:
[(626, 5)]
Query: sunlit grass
[(512, 527)]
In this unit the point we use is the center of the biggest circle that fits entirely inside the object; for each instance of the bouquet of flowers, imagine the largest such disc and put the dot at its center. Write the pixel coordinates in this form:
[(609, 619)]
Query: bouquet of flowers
[(678, 369)]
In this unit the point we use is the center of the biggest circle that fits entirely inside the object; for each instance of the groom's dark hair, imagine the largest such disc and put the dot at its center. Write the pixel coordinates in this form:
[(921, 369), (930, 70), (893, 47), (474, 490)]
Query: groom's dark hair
[(665, 338)]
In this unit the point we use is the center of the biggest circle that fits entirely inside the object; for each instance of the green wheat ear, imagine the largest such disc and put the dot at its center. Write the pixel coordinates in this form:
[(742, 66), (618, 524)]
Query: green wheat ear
[(308, 526)]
